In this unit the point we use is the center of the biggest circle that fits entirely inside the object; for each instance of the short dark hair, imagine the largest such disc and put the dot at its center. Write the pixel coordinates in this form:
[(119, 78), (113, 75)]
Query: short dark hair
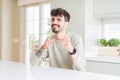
[(60, 12)]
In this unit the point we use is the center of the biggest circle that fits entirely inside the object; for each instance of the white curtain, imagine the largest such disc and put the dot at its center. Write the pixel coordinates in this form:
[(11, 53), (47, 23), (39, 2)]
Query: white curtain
[(27, 2)]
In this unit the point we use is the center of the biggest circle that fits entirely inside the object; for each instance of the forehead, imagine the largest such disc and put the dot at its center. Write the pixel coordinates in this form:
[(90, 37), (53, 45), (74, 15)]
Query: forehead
[(58, 16)]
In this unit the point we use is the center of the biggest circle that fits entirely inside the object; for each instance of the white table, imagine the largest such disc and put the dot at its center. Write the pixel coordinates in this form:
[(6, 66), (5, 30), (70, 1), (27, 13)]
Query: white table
[(19, 71)]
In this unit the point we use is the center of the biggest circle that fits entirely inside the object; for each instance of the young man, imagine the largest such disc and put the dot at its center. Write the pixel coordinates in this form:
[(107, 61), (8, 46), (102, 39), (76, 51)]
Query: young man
[(65, 50)]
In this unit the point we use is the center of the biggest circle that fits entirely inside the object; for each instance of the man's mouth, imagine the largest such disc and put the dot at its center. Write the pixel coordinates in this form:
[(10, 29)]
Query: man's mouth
[(54, 25)]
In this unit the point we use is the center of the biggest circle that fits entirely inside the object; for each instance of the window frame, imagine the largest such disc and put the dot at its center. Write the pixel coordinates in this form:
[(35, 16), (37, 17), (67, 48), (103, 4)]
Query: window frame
[(23, 30)]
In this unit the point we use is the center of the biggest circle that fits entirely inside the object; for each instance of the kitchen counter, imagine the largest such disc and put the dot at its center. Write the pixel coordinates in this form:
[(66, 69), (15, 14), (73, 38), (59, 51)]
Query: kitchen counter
[(19, 71), (109, 59)]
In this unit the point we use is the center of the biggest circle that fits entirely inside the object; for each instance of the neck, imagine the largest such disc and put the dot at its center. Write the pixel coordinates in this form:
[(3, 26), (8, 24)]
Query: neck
[(61, 35)]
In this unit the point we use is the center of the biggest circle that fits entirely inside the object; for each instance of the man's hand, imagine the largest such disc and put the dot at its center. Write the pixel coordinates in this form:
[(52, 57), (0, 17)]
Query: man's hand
[(47, 43), (67, 44)]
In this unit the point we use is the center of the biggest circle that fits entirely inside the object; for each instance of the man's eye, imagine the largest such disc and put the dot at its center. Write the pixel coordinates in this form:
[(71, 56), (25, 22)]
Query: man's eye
[(59, 19), (52, 19)]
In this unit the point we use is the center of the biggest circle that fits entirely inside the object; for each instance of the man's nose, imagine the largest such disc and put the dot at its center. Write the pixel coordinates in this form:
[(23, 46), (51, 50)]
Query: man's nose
[(54, 22)]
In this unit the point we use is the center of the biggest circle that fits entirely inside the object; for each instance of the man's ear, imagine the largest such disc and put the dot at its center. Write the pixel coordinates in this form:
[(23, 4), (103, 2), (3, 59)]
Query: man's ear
[(67, 23)]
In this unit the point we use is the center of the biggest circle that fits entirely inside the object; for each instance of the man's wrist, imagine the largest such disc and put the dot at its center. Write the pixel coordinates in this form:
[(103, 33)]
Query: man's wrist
[(73, 52), (43, 47)]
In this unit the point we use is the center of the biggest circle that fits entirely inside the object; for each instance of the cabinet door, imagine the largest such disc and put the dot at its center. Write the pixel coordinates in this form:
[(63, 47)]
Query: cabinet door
[(106, 7), (103, 67)]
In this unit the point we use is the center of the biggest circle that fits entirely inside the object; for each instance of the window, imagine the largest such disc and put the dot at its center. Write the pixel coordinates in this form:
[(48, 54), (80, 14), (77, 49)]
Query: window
[(107, 28), (111, 30), (36, 26)]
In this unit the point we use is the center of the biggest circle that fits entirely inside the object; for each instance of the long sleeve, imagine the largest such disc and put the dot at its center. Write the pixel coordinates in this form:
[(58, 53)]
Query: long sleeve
[(60, 57), (80, 62), (37, 58)]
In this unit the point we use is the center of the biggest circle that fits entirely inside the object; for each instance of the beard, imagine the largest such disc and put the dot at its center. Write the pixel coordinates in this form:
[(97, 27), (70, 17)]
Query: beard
[(54, 29)]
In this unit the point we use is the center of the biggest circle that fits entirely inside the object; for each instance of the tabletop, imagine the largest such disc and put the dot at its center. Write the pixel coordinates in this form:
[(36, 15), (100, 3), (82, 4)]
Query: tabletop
[(20, 71)]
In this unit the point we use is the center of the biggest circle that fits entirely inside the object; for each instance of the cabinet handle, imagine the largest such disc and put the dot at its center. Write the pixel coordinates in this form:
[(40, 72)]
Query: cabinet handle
[(118, 51)]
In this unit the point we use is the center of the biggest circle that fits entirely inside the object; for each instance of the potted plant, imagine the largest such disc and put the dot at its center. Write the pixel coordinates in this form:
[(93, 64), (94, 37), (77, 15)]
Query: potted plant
[(108, 47)]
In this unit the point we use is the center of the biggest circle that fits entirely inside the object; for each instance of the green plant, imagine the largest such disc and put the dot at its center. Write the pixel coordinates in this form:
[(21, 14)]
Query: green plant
[(48, 32), (114, 42), (103, 42), (33, 43)]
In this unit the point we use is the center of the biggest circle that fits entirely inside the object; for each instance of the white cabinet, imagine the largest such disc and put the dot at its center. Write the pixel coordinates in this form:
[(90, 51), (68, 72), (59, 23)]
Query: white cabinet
[(103, 67), (105, 8)]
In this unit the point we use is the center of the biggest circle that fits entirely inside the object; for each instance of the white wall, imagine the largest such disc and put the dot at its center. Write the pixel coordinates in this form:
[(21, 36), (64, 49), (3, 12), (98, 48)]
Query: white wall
[(76, 9)]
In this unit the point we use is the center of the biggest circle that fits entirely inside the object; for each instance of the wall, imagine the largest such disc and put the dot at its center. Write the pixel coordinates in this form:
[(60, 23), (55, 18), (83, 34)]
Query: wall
[(75, 8), (10, 30), (0, 28), (7, 26), (16, 32)]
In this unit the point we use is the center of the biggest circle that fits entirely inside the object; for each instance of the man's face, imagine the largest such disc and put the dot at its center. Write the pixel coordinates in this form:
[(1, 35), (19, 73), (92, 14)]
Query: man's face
[(58, 24)]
